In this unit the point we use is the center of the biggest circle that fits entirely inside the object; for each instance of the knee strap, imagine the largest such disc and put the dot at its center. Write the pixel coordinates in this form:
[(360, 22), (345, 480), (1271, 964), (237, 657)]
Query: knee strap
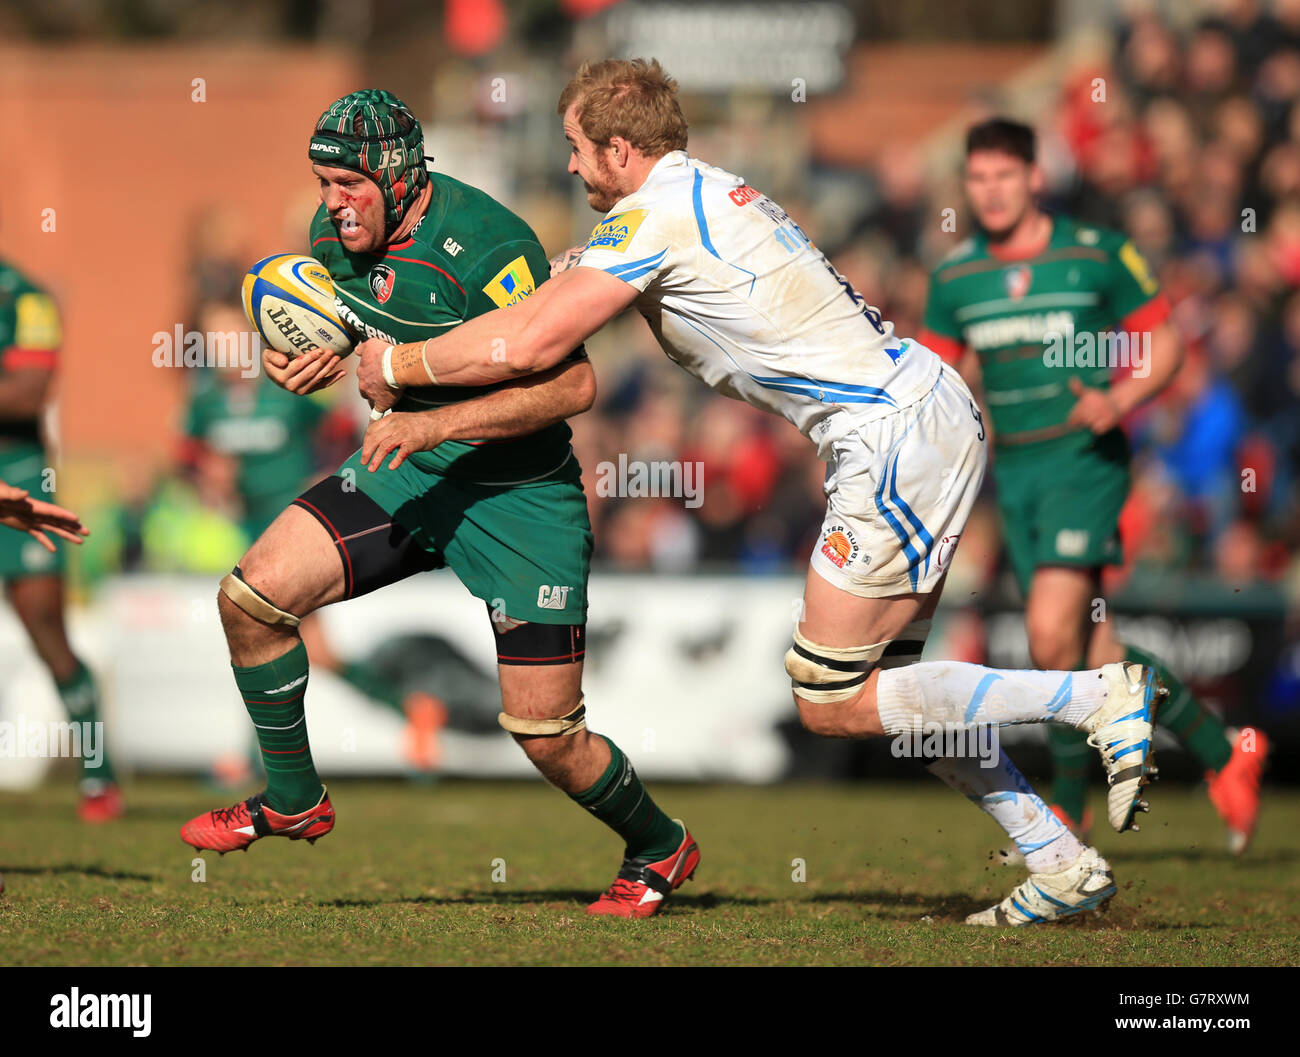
[(907, 648), (554, 728), (828, 674), (253, 602)]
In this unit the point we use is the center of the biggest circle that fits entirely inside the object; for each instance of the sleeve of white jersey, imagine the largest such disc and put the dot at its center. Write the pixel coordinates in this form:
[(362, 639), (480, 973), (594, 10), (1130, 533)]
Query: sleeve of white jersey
[(629, 244)]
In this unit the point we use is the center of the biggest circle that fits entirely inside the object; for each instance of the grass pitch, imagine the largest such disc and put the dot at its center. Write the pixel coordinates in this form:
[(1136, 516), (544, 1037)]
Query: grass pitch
[(407, 878)]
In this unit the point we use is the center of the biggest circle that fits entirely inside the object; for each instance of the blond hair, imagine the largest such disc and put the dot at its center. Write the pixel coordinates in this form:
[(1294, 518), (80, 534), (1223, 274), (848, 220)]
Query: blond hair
[(631, 98)]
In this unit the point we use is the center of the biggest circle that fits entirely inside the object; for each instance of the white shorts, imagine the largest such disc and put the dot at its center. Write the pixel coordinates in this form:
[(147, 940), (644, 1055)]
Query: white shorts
[(899, 491)]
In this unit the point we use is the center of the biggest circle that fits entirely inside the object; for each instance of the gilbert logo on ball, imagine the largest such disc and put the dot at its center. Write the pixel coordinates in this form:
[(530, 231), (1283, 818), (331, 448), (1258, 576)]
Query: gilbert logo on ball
[(290, 300)]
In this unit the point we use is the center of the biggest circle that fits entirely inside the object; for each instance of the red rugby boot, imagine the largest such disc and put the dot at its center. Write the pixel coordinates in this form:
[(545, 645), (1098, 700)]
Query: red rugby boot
[(641, 885), (236, 827)]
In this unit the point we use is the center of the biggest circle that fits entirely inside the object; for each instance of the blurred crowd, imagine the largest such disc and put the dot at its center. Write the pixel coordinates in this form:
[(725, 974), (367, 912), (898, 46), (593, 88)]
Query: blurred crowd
[(1187, 136)]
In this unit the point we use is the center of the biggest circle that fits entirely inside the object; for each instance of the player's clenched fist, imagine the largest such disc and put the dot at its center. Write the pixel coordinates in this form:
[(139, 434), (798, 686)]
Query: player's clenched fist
[(1094, 409), (402, 433), (370, 375), (314, 370)]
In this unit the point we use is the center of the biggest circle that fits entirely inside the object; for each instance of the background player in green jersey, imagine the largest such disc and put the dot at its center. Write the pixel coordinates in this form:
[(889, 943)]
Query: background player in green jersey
[(30, 336), (494, 492), (1024, 308)]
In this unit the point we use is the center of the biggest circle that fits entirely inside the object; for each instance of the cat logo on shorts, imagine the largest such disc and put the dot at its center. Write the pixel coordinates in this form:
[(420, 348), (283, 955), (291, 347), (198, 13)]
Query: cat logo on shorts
[(552, 597), (840, 546), (382, 281)]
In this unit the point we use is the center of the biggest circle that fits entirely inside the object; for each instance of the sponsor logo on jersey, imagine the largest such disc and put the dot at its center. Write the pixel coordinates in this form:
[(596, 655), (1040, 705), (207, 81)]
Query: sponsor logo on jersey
[(1072, 543), (452, 247), (382, 281), (1137, 266), (615, 232), (744, 194), (37, 323), (1017, 280), (552, 596), (1029, 328), (358, 325), (840, 546), (511, 284)]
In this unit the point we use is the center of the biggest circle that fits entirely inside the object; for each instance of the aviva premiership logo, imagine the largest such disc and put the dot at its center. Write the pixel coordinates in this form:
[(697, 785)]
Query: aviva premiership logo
[(615, 232), (511, 284), (382, 281)]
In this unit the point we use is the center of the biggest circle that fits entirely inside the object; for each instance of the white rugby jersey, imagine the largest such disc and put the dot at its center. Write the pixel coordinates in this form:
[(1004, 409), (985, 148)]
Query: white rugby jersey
[(737, 294)]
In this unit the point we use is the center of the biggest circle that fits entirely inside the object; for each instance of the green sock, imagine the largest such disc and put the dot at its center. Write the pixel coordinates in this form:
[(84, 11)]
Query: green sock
[(80, 696), (273, 694), (1196, 726), (620, 801), (1071, 757)]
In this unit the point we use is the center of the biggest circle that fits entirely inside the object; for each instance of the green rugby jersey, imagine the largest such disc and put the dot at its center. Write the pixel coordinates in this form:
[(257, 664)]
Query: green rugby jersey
[(270, 431), (29, 337), (469, 255), (1087, 281)]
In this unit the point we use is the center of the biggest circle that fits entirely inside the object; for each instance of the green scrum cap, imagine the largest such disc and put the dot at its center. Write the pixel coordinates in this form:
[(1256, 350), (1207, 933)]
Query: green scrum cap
[(374, 133)]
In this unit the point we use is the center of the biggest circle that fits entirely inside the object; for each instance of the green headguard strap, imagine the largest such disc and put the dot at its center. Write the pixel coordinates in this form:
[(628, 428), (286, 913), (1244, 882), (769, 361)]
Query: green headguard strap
[(374, 133)]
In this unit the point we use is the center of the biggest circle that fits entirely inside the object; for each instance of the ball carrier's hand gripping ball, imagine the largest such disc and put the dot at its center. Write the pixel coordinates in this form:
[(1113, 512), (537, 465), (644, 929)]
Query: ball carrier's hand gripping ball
[(374, 133)]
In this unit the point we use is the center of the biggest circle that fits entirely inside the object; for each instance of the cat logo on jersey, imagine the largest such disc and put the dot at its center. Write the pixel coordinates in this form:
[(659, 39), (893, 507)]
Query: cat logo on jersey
[(37, 323), (382, 281), (511, 284), (1016, 281), (614, 233), (840, 546)]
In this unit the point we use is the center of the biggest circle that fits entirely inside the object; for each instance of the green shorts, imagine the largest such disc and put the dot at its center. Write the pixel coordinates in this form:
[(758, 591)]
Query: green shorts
[(1061, 502), (524, 549), (23, 466)]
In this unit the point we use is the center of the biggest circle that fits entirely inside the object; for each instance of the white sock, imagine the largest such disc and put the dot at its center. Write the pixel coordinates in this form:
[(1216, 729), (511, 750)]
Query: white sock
[(1047, 845), (958, 694)]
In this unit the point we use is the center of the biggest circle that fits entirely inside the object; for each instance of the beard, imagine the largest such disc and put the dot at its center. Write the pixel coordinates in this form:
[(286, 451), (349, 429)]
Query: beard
[(603, 194)]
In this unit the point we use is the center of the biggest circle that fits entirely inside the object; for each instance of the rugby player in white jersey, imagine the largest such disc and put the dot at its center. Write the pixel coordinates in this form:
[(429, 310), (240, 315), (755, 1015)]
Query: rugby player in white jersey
[(737, 295)]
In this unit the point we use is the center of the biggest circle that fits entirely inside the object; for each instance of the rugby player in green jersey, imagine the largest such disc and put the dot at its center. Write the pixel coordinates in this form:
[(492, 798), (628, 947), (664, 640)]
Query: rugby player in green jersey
[(1037, 309), (32, 569), (483, 480)]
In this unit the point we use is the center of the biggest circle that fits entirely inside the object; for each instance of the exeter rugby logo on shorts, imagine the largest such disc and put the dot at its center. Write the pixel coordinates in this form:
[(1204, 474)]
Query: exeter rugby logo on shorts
[(840, 546), (382, 281), (614, 233), (1016, 281)]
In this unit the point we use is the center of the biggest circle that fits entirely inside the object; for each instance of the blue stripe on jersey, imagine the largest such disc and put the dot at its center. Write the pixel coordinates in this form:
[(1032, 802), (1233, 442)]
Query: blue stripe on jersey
[(703, 225), (835, 387), (642, 266), (801, 386), (823, 395)]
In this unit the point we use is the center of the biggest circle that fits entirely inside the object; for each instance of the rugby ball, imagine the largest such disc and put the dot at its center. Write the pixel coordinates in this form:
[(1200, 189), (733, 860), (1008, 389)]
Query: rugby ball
[(290, 300)]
